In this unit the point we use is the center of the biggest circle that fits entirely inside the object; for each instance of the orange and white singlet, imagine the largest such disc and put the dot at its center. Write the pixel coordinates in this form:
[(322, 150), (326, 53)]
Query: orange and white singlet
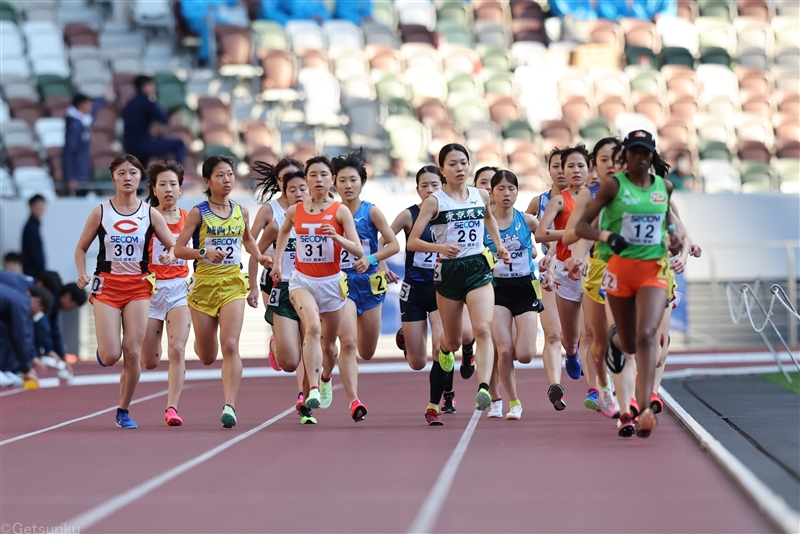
[(316, 254), (563, 252), (179, 269), (124, 241)]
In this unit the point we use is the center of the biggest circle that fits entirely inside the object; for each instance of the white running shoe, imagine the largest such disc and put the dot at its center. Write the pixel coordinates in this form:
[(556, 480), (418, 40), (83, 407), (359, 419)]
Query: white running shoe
[(496, 410), (5, 381), (608, 402), (14, 379), (325, 393), (514, 413)]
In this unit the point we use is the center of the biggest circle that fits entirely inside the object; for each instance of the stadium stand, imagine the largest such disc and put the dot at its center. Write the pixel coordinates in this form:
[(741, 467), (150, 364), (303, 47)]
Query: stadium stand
[(717, 80)]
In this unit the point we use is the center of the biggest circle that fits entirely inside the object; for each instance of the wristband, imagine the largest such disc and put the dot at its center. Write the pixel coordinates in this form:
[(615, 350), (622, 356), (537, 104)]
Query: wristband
[(371, 259)]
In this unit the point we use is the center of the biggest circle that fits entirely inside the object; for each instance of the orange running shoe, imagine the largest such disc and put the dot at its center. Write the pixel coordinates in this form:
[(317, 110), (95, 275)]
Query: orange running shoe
[(433, 418), (171, 417), (357, 410)]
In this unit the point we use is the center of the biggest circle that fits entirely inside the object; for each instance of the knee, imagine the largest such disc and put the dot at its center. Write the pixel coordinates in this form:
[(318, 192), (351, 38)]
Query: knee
[(553, 338), (313, 331), (230, 348), (418, 364), (481, 331), (349, 345), (524, 356), (176, 354), (152, 362), (645, 339), (505, 354)]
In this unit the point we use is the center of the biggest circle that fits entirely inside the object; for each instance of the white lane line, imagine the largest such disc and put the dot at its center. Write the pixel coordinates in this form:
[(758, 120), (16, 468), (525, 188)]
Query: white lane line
[(721, 371), (79, 419), (44, 383), (771, 504), (90, 518), (432, 506)]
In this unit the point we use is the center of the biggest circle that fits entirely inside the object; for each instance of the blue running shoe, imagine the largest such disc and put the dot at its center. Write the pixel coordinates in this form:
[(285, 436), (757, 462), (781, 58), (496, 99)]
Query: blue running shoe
[(592, 400), (97, 353), (124, 420), (573, 365)]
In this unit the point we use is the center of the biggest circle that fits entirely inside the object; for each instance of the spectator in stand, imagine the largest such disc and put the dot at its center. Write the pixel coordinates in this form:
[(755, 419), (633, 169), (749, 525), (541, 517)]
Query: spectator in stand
[(196, 14), (12, 262), (138, 117), (77, 162), (17, 281), (682, 177), (637, 9), (282, 11), (32, 247), (17, 345), (580, 9), (356, 11)]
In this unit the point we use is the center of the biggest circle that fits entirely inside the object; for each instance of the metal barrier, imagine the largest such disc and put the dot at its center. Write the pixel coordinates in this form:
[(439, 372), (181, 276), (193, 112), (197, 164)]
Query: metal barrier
[(745, 295)]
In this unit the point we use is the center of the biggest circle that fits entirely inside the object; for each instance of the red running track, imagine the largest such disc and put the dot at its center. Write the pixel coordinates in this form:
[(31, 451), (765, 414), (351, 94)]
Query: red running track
[(550, 472)]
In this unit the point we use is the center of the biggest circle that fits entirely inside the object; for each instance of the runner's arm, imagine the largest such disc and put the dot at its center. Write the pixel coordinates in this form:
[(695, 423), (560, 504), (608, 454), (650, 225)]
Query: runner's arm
[(262, 220), (491, 227), (84, 242), (543, 233)]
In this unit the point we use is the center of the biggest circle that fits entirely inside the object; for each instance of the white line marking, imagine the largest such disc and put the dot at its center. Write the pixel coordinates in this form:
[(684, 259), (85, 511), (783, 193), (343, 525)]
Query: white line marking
[(78, 419), (44, 383), (721, 371), (98, 513), (429, 513), (772, 505)]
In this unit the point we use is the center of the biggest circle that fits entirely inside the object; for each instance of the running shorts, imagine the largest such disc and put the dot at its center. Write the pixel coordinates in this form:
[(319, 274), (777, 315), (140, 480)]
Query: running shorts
[(171, 294), (593, 280), (266, 282), (566, 287), (518, 295), (625, 276), (209, 295), (117, 290), (280, 304), (326, 290), (366, 290), (417, 300), (454, 278)]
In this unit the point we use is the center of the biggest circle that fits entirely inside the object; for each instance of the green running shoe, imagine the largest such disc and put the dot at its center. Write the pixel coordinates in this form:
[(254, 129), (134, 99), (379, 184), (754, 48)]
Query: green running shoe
[(228, 417), (447, 361), (306, 417), (325, 393), (483, 400), (313, 399)]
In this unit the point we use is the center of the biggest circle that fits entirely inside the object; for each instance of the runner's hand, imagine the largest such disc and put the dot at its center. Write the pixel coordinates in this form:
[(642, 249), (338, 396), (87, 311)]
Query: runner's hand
[(361, 265), (252, 298), (391, 276), (265, 260), (695, 250), (215, 256), (276, 273), (449, 251), (574, 268), (677, 264), (84, 280), (547, 281)]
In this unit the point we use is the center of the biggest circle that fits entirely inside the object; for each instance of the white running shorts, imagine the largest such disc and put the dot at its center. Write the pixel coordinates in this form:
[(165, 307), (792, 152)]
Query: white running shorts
[(566, 287), (171, 294), (327, 291)]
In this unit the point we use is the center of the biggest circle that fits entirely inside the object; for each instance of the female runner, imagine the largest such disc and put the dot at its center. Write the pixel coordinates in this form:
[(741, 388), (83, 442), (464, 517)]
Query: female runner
[(517, 297), (635, 207), (122, 284), (218, 228), (457, 214), (366, 284), (168, 304), (551, 324), (317, 289), (270, 184)]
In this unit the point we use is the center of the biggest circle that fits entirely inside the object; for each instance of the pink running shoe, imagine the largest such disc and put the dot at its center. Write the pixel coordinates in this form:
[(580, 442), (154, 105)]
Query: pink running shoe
[(171, 417), (300, 402), (273, 360)]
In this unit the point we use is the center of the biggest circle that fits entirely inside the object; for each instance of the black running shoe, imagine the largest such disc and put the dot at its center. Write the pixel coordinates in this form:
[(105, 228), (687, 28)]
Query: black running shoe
[(615, 359), (449, 402), (556, 395), (467, 361)]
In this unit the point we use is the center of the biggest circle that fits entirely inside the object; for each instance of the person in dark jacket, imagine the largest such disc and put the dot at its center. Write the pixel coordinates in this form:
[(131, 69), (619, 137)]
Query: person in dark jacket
[(18, 352), (138, 116), (77, 161), (32, 247)]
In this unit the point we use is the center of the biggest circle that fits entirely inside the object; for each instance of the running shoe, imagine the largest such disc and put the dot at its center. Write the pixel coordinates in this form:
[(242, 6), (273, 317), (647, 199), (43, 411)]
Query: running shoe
[(556, 395), (573, 365), (592, 400), (299, 403), (467, 361), (615, 358), (646, 423), (5, 381), (97, 353), (655, 403), (313, 398), (608, 403), (447, 361), (273, 356), (515, 413), (307, 417), (449, 402), (432, 417), (634, 408), (124, 420), (496, 410), (483, 400), (228, 417), (357, 410), (325, 393), (171, 417), (625, 425)]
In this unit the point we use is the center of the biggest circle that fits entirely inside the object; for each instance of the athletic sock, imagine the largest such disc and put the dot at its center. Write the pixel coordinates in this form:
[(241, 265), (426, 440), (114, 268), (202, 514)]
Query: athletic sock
[(322, 377), (448, 381), (120, 410), (466, 351), (313, 388), (498, 399), (515, 403), (437, 380), (603, 388), (434, 407), (483, 385)]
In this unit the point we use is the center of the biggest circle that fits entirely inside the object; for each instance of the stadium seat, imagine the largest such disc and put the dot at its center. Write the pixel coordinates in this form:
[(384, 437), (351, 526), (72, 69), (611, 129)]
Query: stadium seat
[(56, 65), (458, 12), (418, 13), (425, 84), (641, 33), (518, 129), (269, 35), (558, 132), (529, 30), (787, 30), (53, 85), (717, 80), (350, 63), (787, 56), (7, 187), (757, 9), (414, 33), (384, 14), (495, 57), (678, 130), (391, 86), (457, 58), (788, 171), (280, 70), (322, 92), (79, 34), (431, 111), (491, 33), (540, 110), (676, 55), (443, 133), (358, 87), (753, 57), (234, 49), (11, 42), (724, 10), (453, 33), (505, 108), (421, 56), (651, 106), (715, 34), (314, 59), (343, 35), (789, 102), (723, 107), (500, 83), (34, 180), (756, 176), (408, 138), (787, 149), (306, 34), (15, 68), (469, 110), (171, 91), (714, 150), (754, 34), (153, 13), (462, 86), (595, 128), (625, 123), (22, 156), (647, 81), (376, 33), (757, 103), (41, 11), (483, 130), (575, 110), (786, 78), (678, 32), (603, 31), (685, 107), (487, 153), (719, 176), (26, 109), (754, 151)]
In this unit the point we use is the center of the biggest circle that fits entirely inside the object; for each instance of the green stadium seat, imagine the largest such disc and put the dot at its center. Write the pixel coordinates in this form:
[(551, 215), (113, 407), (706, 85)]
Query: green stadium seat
[(495, 58), (171, 91), (462, 86), (8, 12), (788, 171), (51, 85), (218, 150), (454, 32), (470, 110), (641, 56), (518, 129), (719, 9), (408, 138), (715, 56), (400, 107), (676, 55), (385, 13), (391, 86), (714, 150), (269, 35), (458, 12), (756, 176), (502, 83), (595, 129)]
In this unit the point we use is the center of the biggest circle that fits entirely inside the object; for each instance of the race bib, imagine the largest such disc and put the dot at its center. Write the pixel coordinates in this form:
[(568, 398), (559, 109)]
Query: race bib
[(642, 229), (151, 277), (274, 297), (190, 285), (405, 290), (314, 249), (348, 260), (265, 279), (466, 234), (520, 265), (609, 282), (231, 246), (124, 248), (425, 260), (343, 286), (378, 283), (97, 285), (490, 259), (159, 249), (437, 272)]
